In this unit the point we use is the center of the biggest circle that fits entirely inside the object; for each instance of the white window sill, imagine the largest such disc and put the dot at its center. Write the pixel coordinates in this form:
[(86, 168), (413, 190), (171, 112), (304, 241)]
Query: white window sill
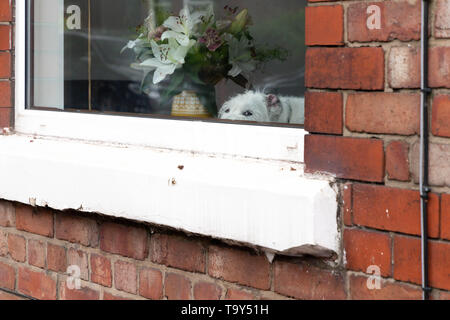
[(269, 204)]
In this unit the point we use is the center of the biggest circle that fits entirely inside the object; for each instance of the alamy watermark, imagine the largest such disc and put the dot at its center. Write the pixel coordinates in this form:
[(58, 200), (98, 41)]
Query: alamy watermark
[(73, 281), (374, 19), (374, 281)]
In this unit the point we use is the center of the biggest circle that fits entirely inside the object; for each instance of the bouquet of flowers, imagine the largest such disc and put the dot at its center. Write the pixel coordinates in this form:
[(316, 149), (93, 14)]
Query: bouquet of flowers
[(196, 47)]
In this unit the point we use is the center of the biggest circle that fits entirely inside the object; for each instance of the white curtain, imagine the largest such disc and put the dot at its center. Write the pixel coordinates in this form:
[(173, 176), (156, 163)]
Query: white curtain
[(48, 53)]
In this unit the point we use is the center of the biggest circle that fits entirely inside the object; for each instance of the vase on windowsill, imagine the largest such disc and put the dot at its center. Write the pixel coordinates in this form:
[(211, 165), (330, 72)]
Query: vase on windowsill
[(188, 104), (196, 100)]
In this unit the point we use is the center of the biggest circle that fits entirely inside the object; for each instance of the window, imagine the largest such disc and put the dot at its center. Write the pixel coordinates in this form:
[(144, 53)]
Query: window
[(169, 58), (98, 134), (40, 90)]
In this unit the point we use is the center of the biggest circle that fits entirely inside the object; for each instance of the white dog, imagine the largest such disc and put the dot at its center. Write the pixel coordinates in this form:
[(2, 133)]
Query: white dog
[(260, 107)]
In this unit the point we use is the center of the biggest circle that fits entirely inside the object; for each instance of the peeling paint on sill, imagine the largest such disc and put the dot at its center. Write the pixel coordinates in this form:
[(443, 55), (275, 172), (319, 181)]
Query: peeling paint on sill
[(260, 203)]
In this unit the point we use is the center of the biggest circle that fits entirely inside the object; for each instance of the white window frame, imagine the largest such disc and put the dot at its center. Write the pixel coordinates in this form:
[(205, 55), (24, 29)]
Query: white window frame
[(243, 183), (262, 142)]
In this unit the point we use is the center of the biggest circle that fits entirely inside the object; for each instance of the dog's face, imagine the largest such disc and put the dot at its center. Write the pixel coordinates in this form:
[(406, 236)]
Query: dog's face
[(250, 106)]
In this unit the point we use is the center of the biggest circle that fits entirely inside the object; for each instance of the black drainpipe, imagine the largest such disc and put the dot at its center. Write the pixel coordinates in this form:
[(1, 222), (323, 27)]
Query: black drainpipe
[(424, 188)]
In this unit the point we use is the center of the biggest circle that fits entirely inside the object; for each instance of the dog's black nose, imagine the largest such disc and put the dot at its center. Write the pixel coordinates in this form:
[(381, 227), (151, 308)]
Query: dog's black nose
[(247, 113)]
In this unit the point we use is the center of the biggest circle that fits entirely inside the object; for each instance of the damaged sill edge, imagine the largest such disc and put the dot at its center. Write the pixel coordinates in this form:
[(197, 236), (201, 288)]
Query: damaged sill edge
[(295, 252), (271, 206)]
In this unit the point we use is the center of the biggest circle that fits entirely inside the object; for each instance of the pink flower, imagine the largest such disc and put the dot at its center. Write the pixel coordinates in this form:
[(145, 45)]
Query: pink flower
[(157, 33), (211, 39)]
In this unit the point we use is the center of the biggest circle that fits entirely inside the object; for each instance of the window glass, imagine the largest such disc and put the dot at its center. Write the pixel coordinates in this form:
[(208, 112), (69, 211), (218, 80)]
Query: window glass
[(209, 59)]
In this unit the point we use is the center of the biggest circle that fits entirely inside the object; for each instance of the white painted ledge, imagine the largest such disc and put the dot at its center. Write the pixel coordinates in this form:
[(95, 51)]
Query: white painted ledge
[(268, 204)]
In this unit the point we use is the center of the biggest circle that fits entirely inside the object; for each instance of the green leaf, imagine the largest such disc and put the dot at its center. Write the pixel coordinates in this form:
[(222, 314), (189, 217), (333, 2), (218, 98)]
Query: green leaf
[(174, 88), (147, 81)]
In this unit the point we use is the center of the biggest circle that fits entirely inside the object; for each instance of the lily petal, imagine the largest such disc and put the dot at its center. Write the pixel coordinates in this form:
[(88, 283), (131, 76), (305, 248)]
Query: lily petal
[(138, 66), (181, 38), (235, 71), (156, 50), (174, 23), (152, 62), (178, 53), (161, 73)]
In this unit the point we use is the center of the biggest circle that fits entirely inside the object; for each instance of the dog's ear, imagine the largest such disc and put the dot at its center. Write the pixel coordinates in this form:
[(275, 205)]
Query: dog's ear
[(272, 101), (273, 107)]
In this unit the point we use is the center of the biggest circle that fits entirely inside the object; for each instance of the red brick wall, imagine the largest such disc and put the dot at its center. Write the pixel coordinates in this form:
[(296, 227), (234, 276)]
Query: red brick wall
[(6, 62), (362, 109), (363, 112), (121, 259)]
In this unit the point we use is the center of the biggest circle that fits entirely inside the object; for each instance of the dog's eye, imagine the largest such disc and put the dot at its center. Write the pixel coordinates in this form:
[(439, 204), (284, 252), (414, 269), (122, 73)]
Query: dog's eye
[(227, 110), (247, 113)]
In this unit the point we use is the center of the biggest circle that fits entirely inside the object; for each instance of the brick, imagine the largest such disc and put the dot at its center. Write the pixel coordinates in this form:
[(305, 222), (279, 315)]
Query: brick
[(34, 220), (5, 65), (77, 294), (445, 216), (324, 25), (6, 117), (151, 284), (17, 248), (349, 158), (347, 204), (36, 253), (124, 240), (109, 296), (393, 209), (36, 284), (56, 258), (5, 37), (304, 281), (389, 290), (178, 252), (439, 163), (7, 276), (404, 67), (101, 270), (364, 249), (235, 265), (207, 291), (125, 277), (7, 214), (407, 261), (345, 68), (3, 243), (444, 295), (324, 112), (439, 67), (442, 19), (236, 294), (177, 287), (380, 112), (8, 296), (80, 259), (5, 11), (5, 94), (76, 229), (399, 20), (440, 124), (397, 161)]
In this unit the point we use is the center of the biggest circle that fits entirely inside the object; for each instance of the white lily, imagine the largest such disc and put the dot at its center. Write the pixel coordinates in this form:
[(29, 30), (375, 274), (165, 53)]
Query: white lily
[(133, 43), (181, 28), (168, 58)]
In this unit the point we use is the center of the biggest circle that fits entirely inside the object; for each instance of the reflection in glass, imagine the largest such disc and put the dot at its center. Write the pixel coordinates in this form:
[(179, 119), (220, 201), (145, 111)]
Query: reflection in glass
[(227, 59)]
